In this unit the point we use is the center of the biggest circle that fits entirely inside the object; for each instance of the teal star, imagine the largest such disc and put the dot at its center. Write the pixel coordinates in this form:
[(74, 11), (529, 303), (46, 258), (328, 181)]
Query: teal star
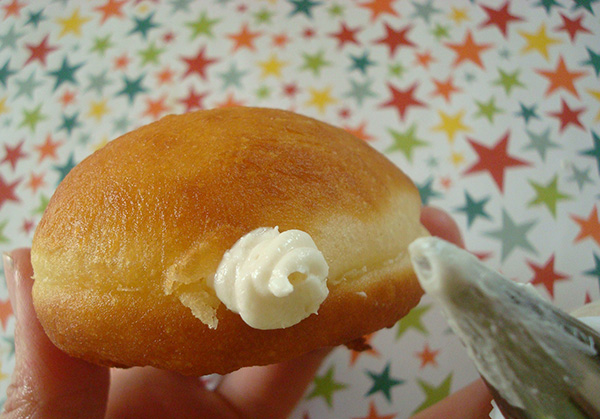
[(586, 4), (66, 167), (474, 208), (413, 320), (383, 382), (325, 386), (508, 80), (487, 109), (581, 177), (121, 125), (69, 123), (98, 82), (5, 73), (314, 62), (183, 5), (549, 195), (425, 10), (66, 73), (594, 61), (548, 4), (44, 200), (426, 191), (433, 394), (10, 38), (35, 18), (595, 271), (512, 235), (595, 150), (202, 26), (361, 62), (406, 141), (233, 76), (143, 26), (28, 86), (303, 6), (132, 87), (360, 91), (540, 142), (527, 112)]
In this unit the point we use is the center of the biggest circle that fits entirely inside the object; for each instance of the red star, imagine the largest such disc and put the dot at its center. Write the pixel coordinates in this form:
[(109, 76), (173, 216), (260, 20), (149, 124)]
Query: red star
[(572, 26), (35, 182), (193, 100), (13, 154), (567, 116), (561, 78), (588, 227), (378, 7), (494, 160), (13, 8), (360, 132), (345, 34), (198, 64), (39, 51), (403, 99), (546, 275), (168, 37), (344, 113), (427, 356), (111, 8), (27, 226), (6, 311), (468, 50), (395, 38), (7, 191), (48, 149), (374, 414), (499, 17), (290, 90), (445, 88)]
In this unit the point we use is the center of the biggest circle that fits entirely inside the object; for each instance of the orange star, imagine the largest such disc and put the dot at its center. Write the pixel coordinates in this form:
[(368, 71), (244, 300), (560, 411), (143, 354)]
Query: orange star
[(378, 7), (424, 58), (359, 132), (244, 38), (354, 355), (562, 78), (445, 88), (165, 76), (48, 149), (589, 227), (6, 312), (122, 62), (230, 102), (67, 98), (468, 50), (155, 108), (35, 182), (374, 414), (111, 8), (13, 8), (427, 356), (280, 40)]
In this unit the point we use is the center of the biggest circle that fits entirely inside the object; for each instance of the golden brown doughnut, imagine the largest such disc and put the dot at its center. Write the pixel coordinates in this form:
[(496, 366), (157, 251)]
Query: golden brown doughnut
[(163, 203)]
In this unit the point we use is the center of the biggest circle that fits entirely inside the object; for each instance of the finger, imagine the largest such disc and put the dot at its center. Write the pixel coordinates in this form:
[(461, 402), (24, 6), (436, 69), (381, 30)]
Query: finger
[(440, 224), (471, 402), (271, 391), (46, 382)]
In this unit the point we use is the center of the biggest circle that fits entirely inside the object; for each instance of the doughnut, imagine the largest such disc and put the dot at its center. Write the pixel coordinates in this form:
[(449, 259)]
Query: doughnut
[(219, 239)]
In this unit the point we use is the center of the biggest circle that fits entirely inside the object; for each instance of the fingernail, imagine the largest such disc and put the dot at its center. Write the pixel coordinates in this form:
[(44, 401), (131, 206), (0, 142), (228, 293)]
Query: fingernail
[(10, 278)]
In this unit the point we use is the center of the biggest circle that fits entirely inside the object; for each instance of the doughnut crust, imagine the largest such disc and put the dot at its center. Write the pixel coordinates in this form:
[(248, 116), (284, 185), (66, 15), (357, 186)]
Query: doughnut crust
[(160, 206)]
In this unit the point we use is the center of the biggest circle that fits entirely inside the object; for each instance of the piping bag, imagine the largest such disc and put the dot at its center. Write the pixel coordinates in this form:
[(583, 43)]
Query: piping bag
[(537, 361)]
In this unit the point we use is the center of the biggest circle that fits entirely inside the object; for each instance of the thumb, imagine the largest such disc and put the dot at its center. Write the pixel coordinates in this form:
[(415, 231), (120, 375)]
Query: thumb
[(46, 382)]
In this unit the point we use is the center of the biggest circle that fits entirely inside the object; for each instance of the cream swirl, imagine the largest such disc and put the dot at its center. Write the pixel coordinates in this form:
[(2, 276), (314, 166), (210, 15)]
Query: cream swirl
[(273, 280)]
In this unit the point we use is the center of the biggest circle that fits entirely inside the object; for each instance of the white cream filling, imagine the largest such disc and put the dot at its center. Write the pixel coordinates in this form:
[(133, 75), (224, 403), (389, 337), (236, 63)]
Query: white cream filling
[(272, 280)]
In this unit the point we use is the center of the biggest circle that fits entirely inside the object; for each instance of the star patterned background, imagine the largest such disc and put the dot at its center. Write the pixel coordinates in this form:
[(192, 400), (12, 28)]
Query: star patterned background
[(492, 107)]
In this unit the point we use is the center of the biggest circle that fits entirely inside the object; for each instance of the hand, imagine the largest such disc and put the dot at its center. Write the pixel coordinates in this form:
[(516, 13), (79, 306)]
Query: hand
[(47, 383)]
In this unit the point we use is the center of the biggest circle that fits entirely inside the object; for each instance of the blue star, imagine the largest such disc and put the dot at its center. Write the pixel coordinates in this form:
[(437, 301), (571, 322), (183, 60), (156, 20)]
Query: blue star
[(361, 62), (35, 18), (143, 25), (383, 382), (132, 87), (426, 191), (474, 208), (303, 6), (594, 61), (66, 73), (6, 72), (527, 112), (595, 271), (69, 123)]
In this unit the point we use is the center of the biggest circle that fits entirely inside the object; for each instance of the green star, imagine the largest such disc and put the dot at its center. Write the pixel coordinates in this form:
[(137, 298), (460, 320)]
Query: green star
[(150, 54), (263, 16), (426, 191), (527, 112), (383, 382), (397, 69), (540, 142), (413, 320), (361, 62), (263, 92), (595, 150), (100, 45), (5, 73), (594, 61), (203, 25), (143, 26), (488, 109), (548, 4), (32, 117), (508, 80), (314, 62), (35, 18), (3, 238), (406, 141), (233, 76), (66, 167), (303, 6), (360, 91), (425, 10), (325, 386), (69, 123), (512, 235), (440, 31), (549, 195), (42, 206), (98, 82), (132, 87), (474, 208), (586, 4), (66, 73), (335, 10), (595, 271), (581, 177), (433, 394)]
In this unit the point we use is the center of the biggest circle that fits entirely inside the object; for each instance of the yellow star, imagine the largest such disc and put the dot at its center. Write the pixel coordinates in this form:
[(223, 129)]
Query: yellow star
[(98, 110), (101, 144), (271, 67), (72, 23), (456, 158), (321, 98), (594, 93), (539, 41), (451, 124), (3, 107), (459, 15)]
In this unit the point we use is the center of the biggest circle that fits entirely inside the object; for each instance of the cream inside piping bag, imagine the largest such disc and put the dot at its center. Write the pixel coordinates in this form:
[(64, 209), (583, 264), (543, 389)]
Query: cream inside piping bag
[(537, 360)]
